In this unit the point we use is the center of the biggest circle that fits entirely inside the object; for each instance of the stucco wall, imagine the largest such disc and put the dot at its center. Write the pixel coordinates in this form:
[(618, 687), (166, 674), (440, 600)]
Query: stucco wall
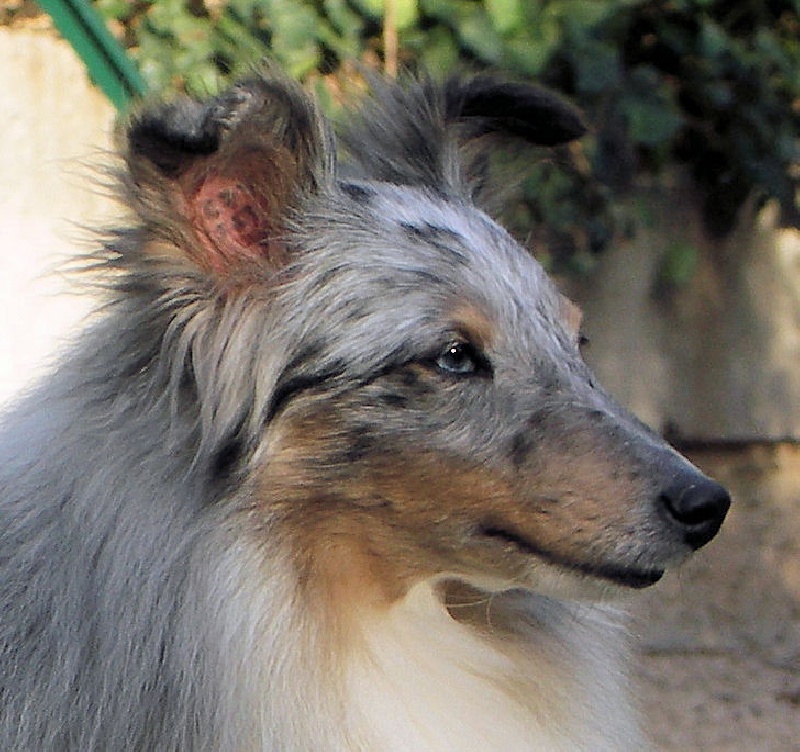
[(54, 125), (717, 358)]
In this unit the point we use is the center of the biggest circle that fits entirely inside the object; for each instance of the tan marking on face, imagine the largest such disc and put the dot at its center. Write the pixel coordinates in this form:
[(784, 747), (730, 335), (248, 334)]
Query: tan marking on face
[(473, 324), (366, 532), (362, 532), (581, 504)]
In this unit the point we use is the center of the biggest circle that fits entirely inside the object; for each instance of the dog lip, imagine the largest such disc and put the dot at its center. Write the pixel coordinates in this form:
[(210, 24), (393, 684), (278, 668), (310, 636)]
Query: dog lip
[(631, 577), (636, 579)]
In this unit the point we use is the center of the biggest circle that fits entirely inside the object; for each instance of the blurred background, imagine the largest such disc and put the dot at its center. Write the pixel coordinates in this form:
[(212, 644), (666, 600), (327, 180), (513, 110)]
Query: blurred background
[(674, 223)]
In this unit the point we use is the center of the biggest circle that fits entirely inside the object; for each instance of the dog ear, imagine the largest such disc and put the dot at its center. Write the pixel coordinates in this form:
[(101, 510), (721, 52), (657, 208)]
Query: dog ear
[(218, 180), (485, 105), (487, 110), (423, 134)]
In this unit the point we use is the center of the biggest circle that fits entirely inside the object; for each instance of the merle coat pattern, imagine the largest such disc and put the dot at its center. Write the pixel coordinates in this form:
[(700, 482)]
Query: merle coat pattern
[(328, 471)]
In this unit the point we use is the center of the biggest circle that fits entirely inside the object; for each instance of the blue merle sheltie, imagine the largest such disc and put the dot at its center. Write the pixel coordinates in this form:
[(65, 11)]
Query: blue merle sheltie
[(327, 471)]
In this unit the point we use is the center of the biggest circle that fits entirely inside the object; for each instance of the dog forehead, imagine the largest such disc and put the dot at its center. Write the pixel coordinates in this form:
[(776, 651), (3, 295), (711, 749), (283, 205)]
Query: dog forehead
[(413, 262), (424, 210), (429, 228), (486, 268), (390, 273)]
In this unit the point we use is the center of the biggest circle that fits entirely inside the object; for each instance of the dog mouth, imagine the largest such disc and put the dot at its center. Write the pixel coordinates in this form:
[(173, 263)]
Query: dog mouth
[(626, 576)]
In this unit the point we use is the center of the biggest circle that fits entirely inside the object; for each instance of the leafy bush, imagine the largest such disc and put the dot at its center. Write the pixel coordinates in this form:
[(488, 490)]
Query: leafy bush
[(712, 84)]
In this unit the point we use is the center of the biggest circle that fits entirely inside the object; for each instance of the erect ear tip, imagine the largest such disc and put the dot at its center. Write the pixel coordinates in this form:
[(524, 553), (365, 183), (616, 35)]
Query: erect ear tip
[(168, 133), (568, 121), (171, 134), (527, 111), (219, 178)]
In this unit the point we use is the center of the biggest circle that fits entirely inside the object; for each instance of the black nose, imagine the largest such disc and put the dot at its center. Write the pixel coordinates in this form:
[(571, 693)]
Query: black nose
[(698, 504)]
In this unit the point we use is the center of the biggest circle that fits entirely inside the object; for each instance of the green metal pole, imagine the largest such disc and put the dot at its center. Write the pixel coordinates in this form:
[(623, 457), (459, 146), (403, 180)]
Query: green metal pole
[(107, 62)]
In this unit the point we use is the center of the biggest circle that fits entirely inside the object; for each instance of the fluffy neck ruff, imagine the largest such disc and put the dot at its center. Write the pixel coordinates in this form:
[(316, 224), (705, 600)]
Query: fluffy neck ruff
[(448, 668), (444, 668)]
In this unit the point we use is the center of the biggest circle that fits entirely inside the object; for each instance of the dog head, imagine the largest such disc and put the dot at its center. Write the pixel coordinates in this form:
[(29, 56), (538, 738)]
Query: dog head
[(380, 371)]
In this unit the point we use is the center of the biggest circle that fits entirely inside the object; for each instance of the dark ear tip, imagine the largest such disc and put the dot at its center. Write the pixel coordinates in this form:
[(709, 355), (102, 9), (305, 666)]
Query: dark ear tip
[(568, 126), (165, 133), (524, 110)]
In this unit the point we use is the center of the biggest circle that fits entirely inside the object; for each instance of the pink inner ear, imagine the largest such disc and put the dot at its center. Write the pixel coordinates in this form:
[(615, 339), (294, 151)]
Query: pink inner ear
[(233, 225)]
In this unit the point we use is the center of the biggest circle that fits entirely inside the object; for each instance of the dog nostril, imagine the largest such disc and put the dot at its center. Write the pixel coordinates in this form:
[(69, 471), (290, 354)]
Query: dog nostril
[(700, 506)]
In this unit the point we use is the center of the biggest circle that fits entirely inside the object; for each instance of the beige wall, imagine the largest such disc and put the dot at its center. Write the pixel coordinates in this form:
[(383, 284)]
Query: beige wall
[(53, 124), (718, 358)]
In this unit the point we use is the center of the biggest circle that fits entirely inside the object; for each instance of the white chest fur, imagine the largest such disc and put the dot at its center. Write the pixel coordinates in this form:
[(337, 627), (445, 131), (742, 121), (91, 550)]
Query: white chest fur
[(424, 682), (533, 674)]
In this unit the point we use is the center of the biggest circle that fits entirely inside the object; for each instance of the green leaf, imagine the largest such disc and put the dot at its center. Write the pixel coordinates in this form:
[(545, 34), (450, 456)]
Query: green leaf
[(583, 16), (598, 67), (294, 36), (244, 8), (119, 9), (477, 34), (346, 21), (650, 123), (652, 116), (443, 10), (643, 211), (506, 15), (406, 11), (438, 50), (678, 264), (531, 49), (713, 40)]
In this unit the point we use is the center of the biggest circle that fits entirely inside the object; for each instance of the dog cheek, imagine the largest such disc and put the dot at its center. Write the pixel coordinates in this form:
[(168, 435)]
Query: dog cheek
[(407, 512)]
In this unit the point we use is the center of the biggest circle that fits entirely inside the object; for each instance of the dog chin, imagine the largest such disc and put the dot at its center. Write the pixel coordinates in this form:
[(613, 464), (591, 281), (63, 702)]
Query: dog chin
[(586, 583), (564, 577), (601, 585)]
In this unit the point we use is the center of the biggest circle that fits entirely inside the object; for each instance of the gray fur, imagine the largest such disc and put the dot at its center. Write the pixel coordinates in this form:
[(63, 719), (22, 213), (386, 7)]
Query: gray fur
[(124, 477)]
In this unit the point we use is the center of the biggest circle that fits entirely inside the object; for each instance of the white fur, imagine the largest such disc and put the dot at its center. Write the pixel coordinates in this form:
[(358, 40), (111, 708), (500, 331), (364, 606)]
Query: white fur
[(414, 679), (427, 682)]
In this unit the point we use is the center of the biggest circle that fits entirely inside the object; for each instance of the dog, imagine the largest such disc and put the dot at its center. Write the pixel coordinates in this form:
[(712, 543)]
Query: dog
[(327, 471)]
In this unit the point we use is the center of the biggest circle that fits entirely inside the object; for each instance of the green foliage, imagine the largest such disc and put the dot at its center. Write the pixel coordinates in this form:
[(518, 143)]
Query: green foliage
[(712, 84), (406, 11), (677, 267)]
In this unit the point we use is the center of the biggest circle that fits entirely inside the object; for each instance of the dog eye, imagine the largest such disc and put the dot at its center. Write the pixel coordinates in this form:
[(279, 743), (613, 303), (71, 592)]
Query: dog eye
[(583, 341), (459, 359)]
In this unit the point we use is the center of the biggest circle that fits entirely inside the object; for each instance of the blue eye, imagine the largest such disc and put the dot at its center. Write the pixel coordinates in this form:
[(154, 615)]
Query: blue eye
[(459, 359)]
